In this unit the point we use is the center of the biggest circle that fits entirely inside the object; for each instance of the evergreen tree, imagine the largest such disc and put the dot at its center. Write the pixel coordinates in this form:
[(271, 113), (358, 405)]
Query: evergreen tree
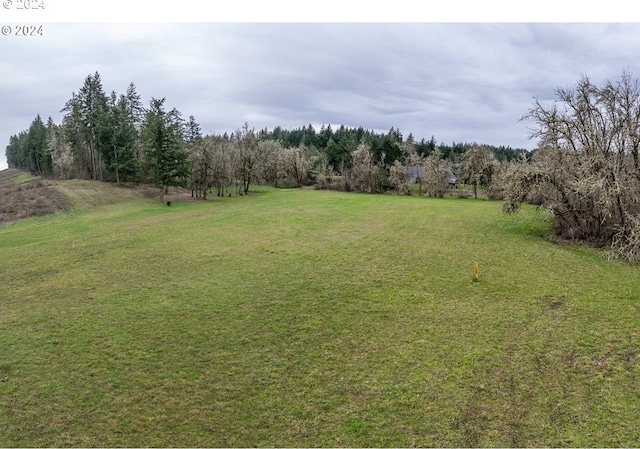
[(133, 104), (192, 133), (136, 112), (39, 160), (200, 157), (17, 151), (118, 139), (391, 144), (93, 108), (162, 140), (85, 115), (324, 135)]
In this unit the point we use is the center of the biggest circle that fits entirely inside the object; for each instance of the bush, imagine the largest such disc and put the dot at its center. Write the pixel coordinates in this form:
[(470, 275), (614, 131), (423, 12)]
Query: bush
[(585, 170), (324, 182)]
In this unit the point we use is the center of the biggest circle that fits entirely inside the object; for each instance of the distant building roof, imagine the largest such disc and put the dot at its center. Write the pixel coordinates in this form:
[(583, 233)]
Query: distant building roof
[(413, 171)]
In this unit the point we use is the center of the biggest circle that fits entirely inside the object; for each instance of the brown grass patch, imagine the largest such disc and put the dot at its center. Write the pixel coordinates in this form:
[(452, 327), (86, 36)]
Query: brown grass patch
[(31, 199)]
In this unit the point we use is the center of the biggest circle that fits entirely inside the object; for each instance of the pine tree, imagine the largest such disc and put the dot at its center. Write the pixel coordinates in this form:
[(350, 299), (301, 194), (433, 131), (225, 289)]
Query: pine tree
[(84, 116), (39, 160), (136, 112), (162, 140), (200, 154), (118, 138)]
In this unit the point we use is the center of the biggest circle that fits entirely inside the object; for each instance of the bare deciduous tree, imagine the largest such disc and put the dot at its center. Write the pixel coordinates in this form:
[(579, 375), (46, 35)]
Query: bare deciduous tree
[(435, 179), (362, 169), (222, 167), (399, 178), (478, 166), (270, 161), (586, 170), (246, 157), (297, 164)]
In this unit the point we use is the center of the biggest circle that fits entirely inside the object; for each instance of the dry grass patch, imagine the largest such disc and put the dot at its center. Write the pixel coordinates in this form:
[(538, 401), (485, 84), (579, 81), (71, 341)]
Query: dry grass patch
[(31, 199)]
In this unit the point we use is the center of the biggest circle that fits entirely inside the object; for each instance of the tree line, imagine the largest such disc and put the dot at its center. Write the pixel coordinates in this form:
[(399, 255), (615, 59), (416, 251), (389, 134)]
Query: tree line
[(585, 170), (117, 138)]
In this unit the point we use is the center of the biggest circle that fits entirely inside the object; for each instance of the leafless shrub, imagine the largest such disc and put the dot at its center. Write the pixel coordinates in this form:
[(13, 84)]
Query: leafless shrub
[(327, 182), (586, 170), (626, 242)]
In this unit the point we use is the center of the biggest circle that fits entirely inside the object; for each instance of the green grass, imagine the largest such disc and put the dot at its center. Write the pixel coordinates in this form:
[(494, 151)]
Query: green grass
[(313, 318), (12, 176)]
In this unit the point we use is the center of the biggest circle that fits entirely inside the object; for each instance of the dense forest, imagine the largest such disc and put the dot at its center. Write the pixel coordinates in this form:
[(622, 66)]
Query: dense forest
[(117, 138)]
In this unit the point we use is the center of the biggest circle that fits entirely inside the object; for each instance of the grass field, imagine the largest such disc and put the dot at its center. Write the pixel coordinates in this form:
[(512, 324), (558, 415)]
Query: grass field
[(312, 318)]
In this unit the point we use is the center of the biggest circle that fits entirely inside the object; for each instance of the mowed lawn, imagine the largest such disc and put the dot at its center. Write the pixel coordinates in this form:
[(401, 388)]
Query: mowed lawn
[(313, 318)]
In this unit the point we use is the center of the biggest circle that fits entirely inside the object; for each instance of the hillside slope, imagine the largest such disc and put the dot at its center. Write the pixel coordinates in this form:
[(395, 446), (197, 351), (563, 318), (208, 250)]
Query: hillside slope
[(32, 198), (8, 175), (23, 195), (14, 176)]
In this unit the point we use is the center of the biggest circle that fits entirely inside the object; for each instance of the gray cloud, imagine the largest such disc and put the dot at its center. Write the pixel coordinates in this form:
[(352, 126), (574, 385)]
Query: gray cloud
[(460, 82)]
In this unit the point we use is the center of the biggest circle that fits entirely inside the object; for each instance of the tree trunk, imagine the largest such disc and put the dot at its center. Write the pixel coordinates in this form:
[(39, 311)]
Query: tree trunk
[(115, 156)]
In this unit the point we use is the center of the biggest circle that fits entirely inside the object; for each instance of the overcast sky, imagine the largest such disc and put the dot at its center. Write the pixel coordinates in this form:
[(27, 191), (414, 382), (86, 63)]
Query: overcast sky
[(462, 82)]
